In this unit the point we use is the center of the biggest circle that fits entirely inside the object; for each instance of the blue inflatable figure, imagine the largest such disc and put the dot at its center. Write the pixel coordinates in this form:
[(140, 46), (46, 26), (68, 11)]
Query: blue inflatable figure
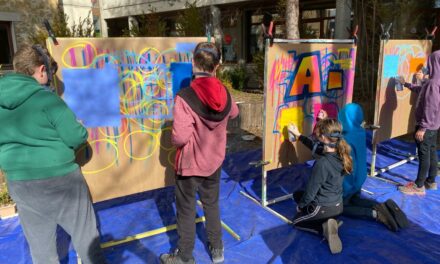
[(351, 117)]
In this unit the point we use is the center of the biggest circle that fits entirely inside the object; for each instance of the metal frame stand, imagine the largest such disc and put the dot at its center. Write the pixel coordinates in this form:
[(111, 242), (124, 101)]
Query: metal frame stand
[(264, 202), (373, 172)]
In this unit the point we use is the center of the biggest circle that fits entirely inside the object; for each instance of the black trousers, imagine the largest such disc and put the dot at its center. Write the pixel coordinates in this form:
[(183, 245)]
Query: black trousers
[(208, 189), (358, 207), (427, 153), (313, 216)]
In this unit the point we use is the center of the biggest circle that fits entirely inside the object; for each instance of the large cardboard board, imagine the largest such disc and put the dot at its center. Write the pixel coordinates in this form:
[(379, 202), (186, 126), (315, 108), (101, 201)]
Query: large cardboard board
[(394, 110), (130, 151), (302, 78)]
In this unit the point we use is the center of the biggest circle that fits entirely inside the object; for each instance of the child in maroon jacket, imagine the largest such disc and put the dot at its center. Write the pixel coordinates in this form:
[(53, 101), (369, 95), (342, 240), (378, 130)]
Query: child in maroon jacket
[(201, 114)]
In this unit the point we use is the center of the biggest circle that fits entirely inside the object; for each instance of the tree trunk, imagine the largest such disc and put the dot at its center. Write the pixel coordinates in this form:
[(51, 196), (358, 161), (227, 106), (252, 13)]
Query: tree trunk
[(343, 18), (292, 18)]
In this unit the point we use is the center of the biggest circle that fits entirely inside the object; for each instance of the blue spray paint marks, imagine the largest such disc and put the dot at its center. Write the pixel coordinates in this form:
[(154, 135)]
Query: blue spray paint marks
[(186, 47), (390, 66), (182, 73)]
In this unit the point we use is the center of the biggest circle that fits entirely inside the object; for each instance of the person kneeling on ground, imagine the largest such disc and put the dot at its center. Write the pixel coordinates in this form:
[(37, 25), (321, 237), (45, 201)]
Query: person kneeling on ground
[(321, 200)]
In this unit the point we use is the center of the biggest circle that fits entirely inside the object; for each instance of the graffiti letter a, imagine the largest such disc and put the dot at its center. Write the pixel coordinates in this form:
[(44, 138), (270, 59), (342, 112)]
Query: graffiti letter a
[(306, 78)]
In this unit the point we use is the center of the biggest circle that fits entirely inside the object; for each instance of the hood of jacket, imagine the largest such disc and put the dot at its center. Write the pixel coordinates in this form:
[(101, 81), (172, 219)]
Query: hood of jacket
[(351, 117), (211, 92), (15, 89), (434, 66), (210, 117)]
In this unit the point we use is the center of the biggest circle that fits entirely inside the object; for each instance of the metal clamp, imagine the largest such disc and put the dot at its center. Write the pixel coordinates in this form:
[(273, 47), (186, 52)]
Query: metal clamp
[(385, 31), (50, 31), (431, 34), (258, 163), (353, 34)]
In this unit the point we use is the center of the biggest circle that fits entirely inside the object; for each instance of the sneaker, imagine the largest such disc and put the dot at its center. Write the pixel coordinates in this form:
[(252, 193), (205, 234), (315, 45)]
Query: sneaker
[(411, 189), (398, 214), (217, 254), (175, 258), (385, 217), (431, 186), (330, 230)]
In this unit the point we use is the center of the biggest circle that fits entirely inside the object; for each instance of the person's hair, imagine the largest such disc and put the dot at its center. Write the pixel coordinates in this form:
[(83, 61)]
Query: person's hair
[(27, 58), (206, 56), (332, 130)]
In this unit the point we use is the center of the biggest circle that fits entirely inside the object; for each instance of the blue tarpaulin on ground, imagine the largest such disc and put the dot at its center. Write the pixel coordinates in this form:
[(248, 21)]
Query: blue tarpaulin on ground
[(264, 238)]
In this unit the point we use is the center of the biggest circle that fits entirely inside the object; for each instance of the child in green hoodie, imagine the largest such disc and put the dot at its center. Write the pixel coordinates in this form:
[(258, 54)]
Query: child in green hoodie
[(37, 155)]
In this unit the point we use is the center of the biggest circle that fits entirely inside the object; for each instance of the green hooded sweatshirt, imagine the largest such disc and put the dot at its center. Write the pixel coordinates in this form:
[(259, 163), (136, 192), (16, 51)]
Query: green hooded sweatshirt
[(38, 132)]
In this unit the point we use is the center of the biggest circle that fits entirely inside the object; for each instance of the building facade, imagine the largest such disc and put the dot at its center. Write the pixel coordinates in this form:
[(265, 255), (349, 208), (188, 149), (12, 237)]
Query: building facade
[(239, 20), (18, 19)]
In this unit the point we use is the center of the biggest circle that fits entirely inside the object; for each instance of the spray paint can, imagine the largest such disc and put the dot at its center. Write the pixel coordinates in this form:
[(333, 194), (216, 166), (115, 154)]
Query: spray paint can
[(292, 137)]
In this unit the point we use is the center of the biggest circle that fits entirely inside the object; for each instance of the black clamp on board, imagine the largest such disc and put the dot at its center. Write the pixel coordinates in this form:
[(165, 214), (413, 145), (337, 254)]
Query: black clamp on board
[(385, 31), (267, 32), (353, 34), (431, 34), (258, 163), (50, 31)]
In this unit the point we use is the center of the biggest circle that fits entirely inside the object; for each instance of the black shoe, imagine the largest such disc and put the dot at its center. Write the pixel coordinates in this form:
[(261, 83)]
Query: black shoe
[(217, 254), (384, 216), (175, 258), (397, 213), (330, 230)]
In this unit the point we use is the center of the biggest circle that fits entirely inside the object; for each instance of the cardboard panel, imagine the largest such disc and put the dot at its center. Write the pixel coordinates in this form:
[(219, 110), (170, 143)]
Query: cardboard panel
[(302, 78), (394, 110), (135, 74)]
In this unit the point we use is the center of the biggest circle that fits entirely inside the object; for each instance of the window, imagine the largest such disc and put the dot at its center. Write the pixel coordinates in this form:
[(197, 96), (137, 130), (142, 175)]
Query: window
[(232, 35), (117, 26), (318, 23), (254, 32), (6, 46)]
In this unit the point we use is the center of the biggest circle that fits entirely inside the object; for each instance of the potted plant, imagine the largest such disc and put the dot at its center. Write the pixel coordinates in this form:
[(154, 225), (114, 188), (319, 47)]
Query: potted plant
[(7, 206)]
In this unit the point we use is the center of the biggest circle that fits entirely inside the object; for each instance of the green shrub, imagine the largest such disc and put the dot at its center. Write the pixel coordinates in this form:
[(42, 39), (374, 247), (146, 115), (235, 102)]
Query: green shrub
[(60, 27), (238, 77), (5, 199), (144, 28), (190, 21), (223, 76)]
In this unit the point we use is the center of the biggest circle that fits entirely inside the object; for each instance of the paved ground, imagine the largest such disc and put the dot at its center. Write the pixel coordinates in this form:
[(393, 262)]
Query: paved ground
[(235, 141)]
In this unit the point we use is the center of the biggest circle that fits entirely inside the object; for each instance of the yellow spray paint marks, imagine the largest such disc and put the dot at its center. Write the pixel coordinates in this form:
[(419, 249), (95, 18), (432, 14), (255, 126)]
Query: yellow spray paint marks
[(293, 115)]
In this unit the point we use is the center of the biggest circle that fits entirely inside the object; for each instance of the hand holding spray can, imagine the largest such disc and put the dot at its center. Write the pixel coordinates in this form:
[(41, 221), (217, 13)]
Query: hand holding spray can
[(290, 128)]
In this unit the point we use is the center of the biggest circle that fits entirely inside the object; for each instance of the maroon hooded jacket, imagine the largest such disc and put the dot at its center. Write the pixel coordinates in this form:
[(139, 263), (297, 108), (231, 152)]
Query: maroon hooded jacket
[(201, 113)]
